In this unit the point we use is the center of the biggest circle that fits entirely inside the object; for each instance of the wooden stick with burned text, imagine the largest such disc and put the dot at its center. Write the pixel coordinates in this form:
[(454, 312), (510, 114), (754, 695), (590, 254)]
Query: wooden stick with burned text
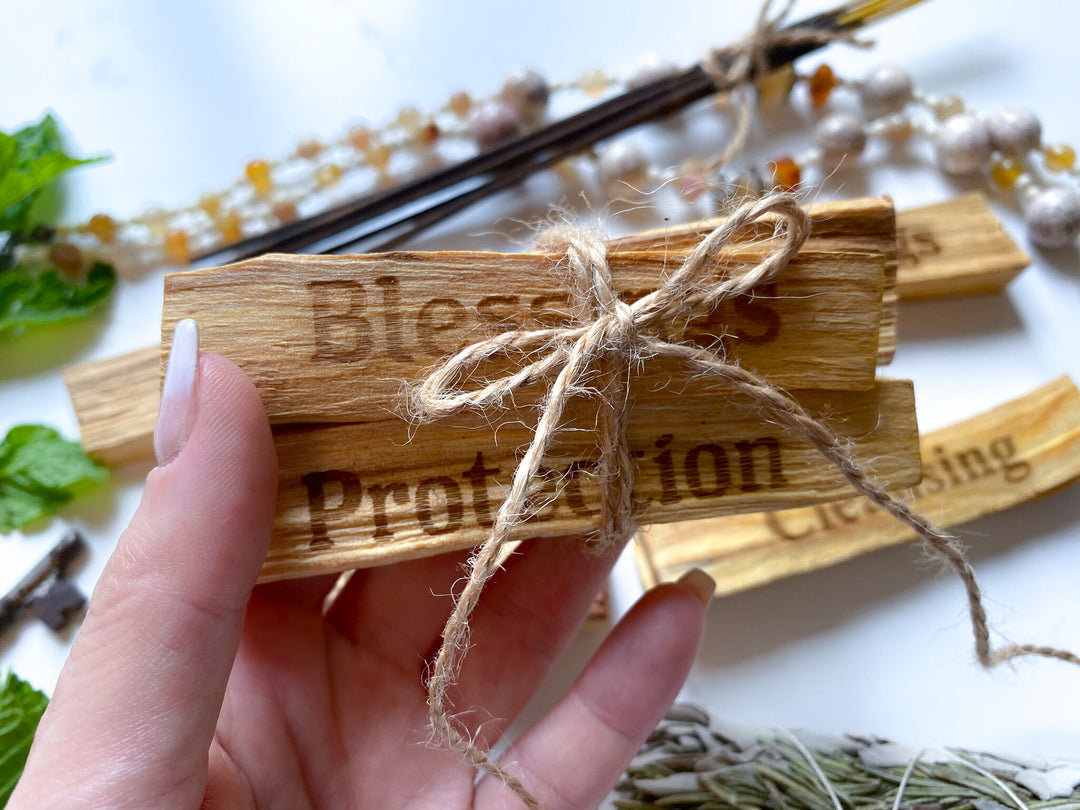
[(1006, 456)]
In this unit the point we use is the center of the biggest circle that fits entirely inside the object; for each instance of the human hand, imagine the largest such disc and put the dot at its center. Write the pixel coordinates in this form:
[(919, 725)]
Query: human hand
[(187, 688)]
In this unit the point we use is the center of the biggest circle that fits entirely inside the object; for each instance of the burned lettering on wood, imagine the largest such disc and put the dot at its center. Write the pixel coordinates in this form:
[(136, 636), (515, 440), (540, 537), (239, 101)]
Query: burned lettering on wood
[(914, 246), (342, 330), (944, 468), (318, 507), (352, 321), (435, 495), (306, 329), (438, 505), (477, 475), (436, 318)]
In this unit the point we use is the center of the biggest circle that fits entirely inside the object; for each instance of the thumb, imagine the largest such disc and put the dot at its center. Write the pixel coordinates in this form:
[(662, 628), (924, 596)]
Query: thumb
[(134, 712)]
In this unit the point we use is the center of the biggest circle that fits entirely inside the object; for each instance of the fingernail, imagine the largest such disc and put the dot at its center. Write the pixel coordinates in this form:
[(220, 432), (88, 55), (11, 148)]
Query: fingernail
[(700, 583), (176, 415)]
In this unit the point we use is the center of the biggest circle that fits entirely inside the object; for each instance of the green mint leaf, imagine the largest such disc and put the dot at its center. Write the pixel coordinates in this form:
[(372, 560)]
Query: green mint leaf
[(40, 471), (33, 299), (21, 707), (38, 139), (30, 159)]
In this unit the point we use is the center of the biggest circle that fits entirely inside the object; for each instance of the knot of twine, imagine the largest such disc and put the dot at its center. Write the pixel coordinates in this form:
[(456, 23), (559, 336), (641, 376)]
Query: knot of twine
[(595, 355), (734, 68)]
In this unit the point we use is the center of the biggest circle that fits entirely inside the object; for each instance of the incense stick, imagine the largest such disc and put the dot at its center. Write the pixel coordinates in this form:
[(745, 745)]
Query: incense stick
[(384, 220)]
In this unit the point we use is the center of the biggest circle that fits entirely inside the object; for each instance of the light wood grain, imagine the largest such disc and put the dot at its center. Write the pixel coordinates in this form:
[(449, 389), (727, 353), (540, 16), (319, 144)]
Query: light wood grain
[(333, 338), (1003, 457), (116, 401), (373, 493), (866, 225), (956, 247)]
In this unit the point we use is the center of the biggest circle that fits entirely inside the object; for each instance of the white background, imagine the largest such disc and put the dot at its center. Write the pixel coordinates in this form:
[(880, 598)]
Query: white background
[(183, 94)]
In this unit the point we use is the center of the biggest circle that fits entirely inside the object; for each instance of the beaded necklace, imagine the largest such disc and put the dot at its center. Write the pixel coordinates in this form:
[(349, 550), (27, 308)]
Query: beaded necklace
[(1004, 146)]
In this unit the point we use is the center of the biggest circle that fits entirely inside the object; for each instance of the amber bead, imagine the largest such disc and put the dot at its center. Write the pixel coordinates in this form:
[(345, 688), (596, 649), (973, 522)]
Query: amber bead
[(176, 247), (284, 212), (821, 85), (786, 173), (428, 135), (460, 104), (309, 149), (360, 138), (258, 174), (1004, 172), (211, 204), (567, 171), (66, 257), (776, 86), (378, 156), (946, 107), (1059, 158), (103, 227), (327, 175), (409, 119), (157, 220), (228, 224), (594, 82)]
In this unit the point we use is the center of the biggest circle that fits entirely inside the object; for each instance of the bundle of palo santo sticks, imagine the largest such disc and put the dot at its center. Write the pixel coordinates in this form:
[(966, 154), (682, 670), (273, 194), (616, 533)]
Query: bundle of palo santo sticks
[(329, 341)]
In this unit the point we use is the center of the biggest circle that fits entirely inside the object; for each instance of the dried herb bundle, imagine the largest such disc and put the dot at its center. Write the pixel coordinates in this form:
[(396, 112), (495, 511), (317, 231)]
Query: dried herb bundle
[(692, 761)]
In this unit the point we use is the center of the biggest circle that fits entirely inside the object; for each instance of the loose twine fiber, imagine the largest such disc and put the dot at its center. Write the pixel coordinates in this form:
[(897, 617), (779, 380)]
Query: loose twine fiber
[(595, 356), (736, 67)]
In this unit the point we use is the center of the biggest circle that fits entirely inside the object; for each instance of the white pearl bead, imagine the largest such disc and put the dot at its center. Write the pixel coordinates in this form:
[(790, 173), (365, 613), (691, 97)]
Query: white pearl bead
[(493, 123), (1053, 217), (651, 68), (839, 137), (622, 165), (963, 145), (527, 94), (886, 90), (1026, 188), (1014, 130)]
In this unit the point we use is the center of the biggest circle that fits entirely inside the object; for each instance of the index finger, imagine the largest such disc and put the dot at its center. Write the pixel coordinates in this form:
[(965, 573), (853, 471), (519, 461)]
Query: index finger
[(137, 702)]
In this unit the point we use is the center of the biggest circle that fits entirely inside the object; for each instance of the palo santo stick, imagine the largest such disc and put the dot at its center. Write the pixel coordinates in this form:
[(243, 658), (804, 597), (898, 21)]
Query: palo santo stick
[(374, 493), (332, 338), (991, 462), (116, 401), (867, 225), (956, 247)]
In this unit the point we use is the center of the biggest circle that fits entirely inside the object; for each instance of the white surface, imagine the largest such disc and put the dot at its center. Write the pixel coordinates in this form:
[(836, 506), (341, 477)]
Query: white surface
[(183, 94)]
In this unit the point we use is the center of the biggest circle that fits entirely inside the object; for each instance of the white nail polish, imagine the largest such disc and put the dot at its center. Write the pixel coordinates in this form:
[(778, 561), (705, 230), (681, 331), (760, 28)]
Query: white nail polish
[(176, 415)]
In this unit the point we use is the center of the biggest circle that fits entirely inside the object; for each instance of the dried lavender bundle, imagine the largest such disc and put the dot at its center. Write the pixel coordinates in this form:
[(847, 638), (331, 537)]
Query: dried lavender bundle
[(694, 761)]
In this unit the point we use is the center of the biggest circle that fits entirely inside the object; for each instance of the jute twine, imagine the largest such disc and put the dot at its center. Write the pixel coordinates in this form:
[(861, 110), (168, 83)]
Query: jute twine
[(736, 67), (595, 356)]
